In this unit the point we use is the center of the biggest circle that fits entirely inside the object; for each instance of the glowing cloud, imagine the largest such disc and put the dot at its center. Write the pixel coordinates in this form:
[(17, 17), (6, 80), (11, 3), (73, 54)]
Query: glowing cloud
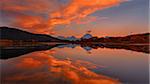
[(40, 16), (78, 9)]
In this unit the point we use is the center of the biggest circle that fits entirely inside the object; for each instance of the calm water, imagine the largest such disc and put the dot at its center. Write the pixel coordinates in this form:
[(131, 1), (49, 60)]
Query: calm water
[(66, 64)]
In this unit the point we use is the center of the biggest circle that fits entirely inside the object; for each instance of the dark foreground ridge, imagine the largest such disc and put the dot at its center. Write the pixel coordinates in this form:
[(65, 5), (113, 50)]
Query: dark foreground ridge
[(16, 34)]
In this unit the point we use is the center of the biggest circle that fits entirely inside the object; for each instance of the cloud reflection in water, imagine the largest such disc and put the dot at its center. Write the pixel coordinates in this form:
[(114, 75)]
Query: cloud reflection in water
[(43, 68)]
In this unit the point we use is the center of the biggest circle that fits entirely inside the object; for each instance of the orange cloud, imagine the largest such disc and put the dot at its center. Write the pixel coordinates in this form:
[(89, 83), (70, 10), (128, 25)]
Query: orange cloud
[(33, 24), (41, 16), (27, 14), (78, 9), (38, 6), (27, 21)]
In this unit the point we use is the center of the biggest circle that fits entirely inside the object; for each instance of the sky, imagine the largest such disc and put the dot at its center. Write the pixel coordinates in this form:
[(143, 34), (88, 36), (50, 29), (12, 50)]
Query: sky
[(76, 17)]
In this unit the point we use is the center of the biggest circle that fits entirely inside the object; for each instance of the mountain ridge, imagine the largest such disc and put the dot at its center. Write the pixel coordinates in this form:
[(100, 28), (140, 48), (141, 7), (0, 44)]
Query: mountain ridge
[(17, 34)]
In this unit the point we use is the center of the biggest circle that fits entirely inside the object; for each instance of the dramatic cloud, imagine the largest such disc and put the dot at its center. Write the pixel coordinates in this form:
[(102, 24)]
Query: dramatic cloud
[(40, 16), (31, 15), (78, 9)]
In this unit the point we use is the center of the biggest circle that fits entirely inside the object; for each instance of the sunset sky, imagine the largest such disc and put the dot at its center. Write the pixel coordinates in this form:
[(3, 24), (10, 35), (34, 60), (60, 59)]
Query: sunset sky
[(76, 17)]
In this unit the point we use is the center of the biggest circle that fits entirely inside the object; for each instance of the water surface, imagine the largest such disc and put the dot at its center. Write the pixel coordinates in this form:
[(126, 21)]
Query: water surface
[(72, 63)]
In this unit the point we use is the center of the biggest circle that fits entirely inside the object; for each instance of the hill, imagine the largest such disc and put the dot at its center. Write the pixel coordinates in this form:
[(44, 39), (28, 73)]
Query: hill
[(135, 38), (16, 34)]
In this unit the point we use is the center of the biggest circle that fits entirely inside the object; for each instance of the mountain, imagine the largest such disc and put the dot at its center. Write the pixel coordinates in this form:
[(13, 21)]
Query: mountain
[(87, 36), (16, 34), (61, 37), (71, 38), (139, 38)]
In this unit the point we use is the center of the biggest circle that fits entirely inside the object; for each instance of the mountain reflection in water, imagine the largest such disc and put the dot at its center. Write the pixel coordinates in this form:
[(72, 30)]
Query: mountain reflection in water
[(69, 64), (21, 50)]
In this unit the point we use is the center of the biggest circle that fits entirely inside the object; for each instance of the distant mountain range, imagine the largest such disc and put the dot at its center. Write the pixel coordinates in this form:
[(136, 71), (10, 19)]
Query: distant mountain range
[(135, 38), (16, 34), (73, 38), (70, 38)]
